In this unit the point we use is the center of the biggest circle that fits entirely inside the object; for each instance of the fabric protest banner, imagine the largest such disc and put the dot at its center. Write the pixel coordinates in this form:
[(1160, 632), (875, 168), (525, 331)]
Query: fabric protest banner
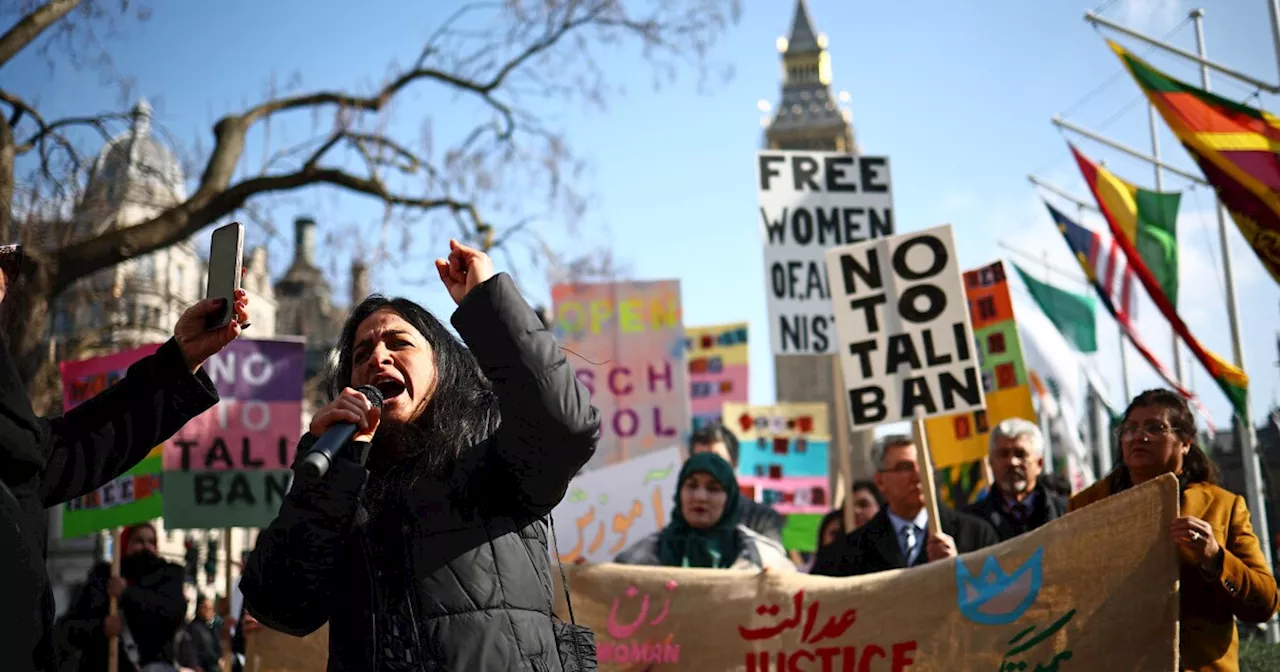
[(607, 510), (229, 467), (626, 343), (1037, 602), (717, 369), (782, 462), (811, 201), (905, 341), (959, 442), (1040, 601), (134, 496)]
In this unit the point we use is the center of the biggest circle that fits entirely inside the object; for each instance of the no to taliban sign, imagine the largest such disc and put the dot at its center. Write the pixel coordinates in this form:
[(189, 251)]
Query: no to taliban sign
[(905, 341), (1040, 601)]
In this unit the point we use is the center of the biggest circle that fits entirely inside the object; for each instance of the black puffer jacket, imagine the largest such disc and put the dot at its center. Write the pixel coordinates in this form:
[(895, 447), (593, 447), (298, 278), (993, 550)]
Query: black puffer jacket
[(480, 589), (45, 462)]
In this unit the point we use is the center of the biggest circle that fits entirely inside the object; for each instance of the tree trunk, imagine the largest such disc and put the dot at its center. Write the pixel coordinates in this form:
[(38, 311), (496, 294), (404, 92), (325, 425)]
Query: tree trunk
[(25, 315)]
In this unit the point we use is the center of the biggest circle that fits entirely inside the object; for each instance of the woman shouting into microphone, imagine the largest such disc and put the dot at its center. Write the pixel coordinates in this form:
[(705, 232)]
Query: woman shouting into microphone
[(424, 546)]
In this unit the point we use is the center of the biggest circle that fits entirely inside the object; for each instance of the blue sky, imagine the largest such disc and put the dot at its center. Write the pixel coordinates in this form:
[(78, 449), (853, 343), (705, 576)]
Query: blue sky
[(957, 94)]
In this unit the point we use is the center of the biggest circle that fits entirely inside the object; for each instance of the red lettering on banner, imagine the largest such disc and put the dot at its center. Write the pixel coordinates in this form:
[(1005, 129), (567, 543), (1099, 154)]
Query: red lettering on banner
[(627, 648), (825, 658)]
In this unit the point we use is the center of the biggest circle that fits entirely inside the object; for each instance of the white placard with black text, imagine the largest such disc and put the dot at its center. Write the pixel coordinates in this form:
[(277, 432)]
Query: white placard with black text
[(809, 203), (905, 341)]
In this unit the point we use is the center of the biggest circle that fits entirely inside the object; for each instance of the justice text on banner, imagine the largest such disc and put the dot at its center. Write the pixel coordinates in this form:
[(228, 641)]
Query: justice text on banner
[(718, 358), (809, 202), (1040, 601), (905, 341), (626, 343), (607, 510)]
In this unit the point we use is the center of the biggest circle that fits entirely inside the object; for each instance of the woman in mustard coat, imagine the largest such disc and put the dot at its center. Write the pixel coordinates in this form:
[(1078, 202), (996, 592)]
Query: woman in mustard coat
[(1224, 574)]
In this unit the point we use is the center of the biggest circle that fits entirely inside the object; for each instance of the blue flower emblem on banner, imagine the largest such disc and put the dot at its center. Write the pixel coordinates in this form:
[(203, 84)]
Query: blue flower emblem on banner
[(996, 597)]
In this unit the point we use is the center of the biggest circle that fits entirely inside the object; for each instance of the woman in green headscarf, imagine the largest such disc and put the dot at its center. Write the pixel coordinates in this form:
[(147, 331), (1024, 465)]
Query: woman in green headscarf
[(704, 530)]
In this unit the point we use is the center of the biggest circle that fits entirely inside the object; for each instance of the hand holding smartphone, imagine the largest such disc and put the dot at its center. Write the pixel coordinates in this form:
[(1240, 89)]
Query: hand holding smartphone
[(226, 261)]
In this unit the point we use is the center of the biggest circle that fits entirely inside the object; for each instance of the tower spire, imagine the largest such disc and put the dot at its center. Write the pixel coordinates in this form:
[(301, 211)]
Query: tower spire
[(803, 39), (809, 116)]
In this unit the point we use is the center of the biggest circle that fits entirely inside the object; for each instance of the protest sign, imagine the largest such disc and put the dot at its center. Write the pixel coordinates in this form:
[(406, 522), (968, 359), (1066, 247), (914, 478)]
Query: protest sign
[(717, 369), (811, 201), (958, 443), (782, 462), (1039, 601), (607, 510), (906, 345), (229, 467), (625, 341), (134, 496)]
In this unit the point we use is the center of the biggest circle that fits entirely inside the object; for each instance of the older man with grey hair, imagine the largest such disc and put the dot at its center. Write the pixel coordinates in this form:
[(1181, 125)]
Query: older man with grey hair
[(898, 536), (1018, 502)]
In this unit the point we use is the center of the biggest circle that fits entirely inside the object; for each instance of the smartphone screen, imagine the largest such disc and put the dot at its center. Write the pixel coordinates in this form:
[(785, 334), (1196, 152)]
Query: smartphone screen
[(10, 260), (226, 255)]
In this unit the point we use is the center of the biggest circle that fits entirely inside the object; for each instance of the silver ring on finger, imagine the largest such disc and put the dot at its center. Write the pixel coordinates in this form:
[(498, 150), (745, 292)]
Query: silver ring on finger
[(1195, 536)]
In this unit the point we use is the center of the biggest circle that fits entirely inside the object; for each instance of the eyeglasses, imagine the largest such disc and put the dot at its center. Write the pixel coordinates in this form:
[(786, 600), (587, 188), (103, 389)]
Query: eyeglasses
[(1154, 430), (902, 468)]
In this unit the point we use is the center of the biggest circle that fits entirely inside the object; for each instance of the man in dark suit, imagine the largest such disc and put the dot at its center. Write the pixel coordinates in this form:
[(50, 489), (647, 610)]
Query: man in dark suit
[(898, 536), (1019, 501), (759, 518)]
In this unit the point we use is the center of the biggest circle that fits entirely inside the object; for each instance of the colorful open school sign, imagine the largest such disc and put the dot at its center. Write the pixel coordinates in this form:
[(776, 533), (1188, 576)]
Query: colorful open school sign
[(626, 343), (717, 369), (959, 442), (782, 462), (133, 497)]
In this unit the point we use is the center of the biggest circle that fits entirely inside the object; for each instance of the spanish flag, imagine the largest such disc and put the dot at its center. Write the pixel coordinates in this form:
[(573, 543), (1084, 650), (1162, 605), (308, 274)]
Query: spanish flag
[(1236, 146)]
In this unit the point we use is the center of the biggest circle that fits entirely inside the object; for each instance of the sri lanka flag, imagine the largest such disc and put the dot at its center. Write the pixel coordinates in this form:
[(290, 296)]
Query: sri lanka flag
[(1236, 146)]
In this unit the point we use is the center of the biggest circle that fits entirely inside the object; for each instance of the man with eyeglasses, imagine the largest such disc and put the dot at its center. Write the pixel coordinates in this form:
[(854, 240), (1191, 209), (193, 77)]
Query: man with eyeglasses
[(898, 536), (1019, 501)]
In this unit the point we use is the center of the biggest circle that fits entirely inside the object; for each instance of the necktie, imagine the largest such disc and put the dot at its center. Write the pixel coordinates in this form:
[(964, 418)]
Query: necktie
[(908, 542), (1020, 512)]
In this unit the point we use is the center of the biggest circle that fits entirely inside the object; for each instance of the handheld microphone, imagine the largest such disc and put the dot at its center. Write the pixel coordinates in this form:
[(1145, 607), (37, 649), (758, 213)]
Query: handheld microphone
[(317, 462)]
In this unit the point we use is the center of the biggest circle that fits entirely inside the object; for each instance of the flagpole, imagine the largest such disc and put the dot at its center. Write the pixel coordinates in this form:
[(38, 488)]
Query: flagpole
[(1124, 357), (1155, 154), (1274, 7), (1244, 420)]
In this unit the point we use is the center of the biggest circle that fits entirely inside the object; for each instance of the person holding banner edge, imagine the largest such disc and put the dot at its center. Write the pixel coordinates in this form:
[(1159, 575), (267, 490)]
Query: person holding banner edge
[(897, 536), (45, 462), (1224, 575)]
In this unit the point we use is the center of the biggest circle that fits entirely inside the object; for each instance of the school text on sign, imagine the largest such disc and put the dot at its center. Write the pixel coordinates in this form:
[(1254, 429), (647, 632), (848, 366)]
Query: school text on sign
[(906, 344), (810, 202)]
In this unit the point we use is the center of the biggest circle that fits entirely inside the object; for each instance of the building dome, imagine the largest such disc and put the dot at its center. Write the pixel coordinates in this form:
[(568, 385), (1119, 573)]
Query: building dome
[(134, 169)]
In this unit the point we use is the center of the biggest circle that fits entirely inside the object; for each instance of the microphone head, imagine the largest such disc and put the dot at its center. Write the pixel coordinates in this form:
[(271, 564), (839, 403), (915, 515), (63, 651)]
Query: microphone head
[(373, 394)]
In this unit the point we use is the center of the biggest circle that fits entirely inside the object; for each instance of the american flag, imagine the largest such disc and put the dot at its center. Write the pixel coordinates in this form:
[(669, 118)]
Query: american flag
[(1104, 262)]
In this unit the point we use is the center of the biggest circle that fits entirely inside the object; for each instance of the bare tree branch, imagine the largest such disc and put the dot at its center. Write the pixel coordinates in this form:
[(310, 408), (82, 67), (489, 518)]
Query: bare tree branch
[(29, 27), (502, 64)]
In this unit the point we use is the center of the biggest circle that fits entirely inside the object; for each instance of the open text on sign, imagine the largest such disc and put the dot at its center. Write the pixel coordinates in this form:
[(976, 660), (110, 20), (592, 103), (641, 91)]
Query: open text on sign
[(811, 202), (905, 341)]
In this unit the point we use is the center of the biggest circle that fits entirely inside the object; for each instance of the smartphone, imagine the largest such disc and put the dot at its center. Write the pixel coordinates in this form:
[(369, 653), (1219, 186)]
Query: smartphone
[(226, 257), (11, 261)]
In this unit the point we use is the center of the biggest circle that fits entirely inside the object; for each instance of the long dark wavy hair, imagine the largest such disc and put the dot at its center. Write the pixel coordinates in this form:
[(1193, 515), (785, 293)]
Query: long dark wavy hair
[(1196, 465), (463, 409)]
